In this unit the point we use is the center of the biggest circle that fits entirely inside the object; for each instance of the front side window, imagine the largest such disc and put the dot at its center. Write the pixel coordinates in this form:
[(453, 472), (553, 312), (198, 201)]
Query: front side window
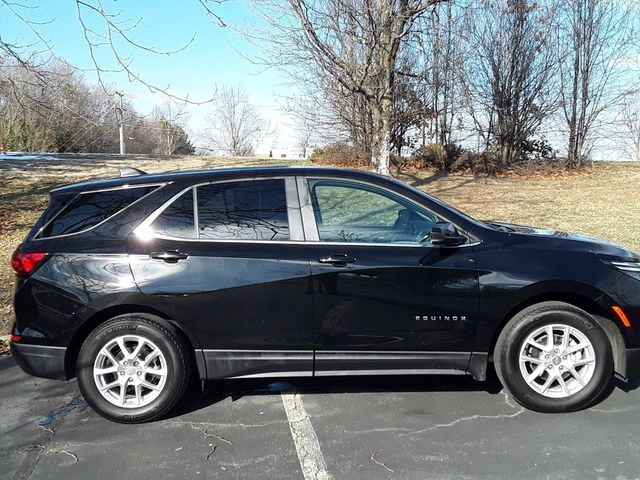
[(353, 212), (89, 209), (246, 210)]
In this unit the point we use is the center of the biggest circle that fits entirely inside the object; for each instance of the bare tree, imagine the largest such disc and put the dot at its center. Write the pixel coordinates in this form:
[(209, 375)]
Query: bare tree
[(235, 125), (58, 110), (170, 120), (335, 118), (355, 43), (53, 109), (107, 32), (630, 123), (305, 134), (410, 113), (598, 37), (509, 84), (330, 114), (44, 106), (437, 52)]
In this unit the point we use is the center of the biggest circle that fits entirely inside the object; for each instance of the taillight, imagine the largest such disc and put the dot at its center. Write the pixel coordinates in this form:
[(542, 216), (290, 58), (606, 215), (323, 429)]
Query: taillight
[(24, 263)]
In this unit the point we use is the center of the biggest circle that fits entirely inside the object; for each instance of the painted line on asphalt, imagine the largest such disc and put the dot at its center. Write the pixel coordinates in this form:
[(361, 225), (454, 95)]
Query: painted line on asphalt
[(305, 438)]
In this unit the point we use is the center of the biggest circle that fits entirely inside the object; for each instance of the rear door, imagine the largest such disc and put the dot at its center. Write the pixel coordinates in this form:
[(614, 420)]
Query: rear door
[(229, 259), (385, 298)]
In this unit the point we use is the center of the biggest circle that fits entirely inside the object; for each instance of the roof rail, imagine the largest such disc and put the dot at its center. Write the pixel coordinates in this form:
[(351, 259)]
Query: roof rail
[(131, 172)]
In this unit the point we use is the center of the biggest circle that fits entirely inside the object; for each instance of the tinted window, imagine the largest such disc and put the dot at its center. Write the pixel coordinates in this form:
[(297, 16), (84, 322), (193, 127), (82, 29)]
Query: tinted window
[(247, 210), (177, 219), (56, 203), (349, 212), (89, 209)]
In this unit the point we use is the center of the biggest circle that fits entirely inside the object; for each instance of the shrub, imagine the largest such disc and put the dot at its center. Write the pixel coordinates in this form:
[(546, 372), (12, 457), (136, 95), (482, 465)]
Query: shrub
[(438, 156), (433, 155), (341, 154), (454, 158), (537, 150), (317, 155)]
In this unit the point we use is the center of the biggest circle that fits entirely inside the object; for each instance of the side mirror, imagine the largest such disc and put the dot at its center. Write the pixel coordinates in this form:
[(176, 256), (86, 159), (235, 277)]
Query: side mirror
[(445, 234)]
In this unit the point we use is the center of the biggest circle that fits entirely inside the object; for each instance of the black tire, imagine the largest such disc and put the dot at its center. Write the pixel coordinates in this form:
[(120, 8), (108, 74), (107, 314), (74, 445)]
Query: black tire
[(175, 357), (517, 330)]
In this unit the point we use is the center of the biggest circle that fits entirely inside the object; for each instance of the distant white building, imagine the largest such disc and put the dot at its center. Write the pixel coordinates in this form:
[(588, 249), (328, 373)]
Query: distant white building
[(268, 148)]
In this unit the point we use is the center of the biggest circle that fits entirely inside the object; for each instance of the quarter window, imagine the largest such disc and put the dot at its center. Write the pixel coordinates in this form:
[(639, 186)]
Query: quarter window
[(352, 212), (246, 210), (89, 209)]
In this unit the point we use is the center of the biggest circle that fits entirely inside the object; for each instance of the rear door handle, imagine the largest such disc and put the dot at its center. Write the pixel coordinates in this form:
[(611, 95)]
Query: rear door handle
[(170, 256), (337, 260)]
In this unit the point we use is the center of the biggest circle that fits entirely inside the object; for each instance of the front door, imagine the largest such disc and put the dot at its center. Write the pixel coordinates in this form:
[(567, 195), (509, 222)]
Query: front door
[(385, 298), (228, 259)]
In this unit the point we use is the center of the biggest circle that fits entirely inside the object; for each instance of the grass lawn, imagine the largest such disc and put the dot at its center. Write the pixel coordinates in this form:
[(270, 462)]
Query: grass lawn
[(602, 200)]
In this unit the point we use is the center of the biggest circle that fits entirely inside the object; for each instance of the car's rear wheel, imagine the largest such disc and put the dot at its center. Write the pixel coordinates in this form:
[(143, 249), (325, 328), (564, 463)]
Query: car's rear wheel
[(133, 368), (553, 357)]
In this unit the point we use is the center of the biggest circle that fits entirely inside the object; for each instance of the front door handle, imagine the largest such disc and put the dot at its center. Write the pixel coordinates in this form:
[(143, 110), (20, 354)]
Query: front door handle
[(337, 260), (170, 256)]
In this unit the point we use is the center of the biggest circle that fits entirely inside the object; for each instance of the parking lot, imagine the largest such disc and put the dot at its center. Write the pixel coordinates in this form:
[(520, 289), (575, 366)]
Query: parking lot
[(357, 428)]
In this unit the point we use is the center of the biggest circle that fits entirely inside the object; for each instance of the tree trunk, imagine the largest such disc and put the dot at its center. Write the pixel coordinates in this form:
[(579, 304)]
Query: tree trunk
[(435, 79), (381, 142), (505, 154)]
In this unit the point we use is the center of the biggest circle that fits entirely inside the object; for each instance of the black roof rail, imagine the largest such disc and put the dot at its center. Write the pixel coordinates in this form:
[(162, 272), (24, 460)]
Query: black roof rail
[(131, 172)]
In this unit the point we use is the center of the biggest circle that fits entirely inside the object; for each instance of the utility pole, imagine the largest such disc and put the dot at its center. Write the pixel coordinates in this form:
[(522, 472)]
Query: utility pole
[(120, 111)]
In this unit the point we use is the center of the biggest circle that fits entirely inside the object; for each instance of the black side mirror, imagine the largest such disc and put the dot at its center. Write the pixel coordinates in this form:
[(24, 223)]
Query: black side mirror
[(445, 234)]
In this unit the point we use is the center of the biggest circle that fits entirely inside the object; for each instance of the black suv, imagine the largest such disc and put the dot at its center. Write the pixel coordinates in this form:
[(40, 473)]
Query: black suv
[(133, 283)]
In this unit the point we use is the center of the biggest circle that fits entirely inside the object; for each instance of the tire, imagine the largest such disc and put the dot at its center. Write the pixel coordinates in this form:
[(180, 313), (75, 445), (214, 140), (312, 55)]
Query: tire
[(545, 377), (141, 386)]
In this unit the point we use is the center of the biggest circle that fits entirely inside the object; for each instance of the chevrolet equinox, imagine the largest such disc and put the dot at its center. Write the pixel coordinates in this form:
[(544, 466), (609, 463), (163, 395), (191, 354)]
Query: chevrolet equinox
[(132, 284)]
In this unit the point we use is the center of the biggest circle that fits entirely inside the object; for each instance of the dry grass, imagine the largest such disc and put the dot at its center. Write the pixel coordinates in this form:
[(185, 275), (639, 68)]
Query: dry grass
[(602, 200)]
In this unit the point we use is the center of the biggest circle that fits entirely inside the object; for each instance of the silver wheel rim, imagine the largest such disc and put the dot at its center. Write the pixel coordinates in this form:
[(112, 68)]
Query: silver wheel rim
[(557, 360), (130, 371)]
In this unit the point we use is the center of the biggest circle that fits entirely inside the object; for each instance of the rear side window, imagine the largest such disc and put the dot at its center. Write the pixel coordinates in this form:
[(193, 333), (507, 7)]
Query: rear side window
[(89, 209), (246, 210)]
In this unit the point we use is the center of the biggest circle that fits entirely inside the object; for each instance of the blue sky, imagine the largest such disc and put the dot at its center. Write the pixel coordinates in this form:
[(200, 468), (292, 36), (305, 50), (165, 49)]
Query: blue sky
[(215, 57)]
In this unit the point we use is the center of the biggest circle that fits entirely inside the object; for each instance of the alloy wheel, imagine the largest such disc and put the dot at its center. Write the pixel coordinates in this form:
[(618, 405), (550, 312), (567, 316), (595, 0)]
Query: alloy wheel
[(130, 371), (557, 360)]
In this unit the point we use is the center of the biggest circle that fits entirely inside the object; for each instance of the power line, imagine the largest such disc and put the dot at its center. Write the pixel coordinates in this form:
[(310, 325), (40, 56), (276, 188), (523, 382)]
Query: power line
[(85, 129), (100, 137), (150, 127)]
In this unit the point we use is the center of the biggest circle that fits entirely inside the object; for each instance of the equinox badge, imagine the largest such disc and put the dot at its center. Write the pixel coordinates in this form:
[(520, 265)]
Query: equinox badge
[(441, 318)]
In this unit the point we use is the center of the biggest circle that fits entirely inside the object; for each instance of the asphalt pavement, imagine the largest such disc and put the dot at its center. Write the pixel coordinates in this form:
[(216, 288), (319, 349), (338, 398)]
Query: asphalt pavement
[(419, 427)]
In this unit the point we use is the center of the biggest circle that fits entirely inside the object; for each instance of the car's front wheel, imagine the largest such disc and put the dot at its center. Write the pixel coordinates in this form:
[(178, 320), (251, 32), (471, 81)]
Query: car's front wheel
[(133, 369), (553, 357)]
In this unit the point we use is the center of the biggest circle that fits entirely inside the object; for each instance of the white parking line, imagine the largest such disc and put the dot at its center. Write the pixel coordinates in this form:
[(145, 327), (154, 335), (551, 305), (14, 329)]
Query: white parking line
[(304, 437)]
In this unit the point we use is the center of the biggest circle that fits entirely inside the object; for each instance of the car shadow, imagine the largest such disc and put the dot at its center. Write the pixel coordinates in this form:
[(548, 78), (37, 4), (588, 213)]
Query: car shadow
[(626, 386), (201, 395), (6, 361), (214, 392)]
